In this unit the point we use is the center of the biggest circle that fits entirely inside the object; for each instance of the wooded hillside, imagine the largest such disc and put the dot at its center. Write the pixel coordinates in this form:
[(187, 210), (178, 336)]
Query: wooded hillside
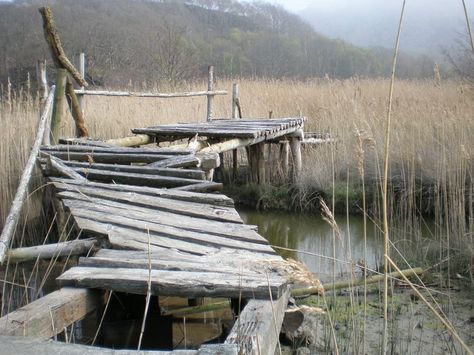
[(151, 41)]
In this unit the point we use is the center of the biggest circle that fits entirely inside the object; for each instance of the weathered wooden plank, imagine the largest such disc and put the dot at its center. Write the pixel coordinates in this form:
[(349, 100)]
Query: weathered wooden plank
[(219, 213), (215, 199), (183, 132), (138, 169), (98, 208), (132, 141), (257, 329), (54, 164), (173, 233), (202, 187), (22, 190), (49, 251), (29, 345), (50, 314), (218, 349), (177, 162), (150, 94), (83, 141), (174, 283), (139, 179), (112, 158), (112, 149)]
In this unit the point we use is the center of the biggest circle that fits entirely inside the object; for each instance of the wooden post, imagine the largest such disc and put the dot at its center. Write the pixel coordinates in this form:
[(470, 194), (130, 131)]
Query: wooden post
[(58, 105), (235, 114), (9, 95), (42, 81), (82, 71), (285, 155), (210, 87), (76, 111), (295, 146), (261, 163)]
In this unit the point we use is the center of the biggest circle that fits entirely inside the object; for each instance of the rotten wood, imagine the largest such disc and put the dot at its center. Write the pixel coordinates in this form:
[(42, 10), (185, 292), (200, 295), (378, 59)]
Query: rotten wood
[(76, 111)]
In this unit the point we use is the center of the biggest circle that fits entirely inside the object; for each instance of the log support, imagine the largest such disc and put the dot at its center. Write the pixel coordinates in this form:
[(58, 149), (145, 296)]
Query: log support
[(295, 146), (58, 105)]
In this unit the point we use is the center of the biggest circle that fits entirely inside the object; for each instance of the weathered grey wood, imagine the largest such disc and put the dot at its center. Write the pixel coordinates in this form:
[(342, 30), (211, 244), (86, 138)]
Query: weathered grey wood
[(42, 80), (50, 314), (22, 190), (113, 158), (57, 165), (132, 141), (214, 199), (257, 329), (285, 157), (105, 148), (295, 146), (28, 345), (208, 161), (76, 110), (58, 106), (174, 283), (207, 186), (230, 230), (176, 162), (210, 88), (139, 169), (235, 97), (218, 349), (261, 164), (82, 141), (50, 251), (134, 178), (150, 94), (161, 230), (190, 132), (220, 213)]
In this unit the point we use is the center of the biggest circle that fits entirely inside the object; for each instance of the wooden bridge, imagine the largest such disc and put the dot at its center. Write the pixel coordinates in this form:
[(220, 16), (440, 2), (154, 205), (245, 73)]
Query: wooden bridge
[(147, 221)]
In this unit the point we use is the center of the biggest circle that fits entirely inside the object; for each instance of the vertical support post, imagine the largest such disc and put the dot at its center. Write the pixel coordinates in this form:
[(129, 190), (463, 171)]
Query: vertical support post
[(9, 95), (235, 99), (295, 146), (82, 72), (210, 87), (77, 115), (252, 152), (58, 105), (261, 163), (42, 81), (285, 157)]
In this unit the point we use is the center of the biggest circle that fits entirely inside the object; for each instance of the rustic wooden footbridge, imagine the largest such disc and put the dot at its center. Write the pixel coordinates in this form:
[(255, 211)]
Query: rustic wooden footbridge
[(146, 219)]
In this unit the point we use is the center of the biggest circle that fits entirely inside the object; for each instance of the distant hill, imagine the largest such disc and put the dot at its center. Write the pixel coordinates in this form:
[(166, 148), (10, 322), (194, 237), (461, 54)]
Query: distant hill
[(151, 41), (429, 26)]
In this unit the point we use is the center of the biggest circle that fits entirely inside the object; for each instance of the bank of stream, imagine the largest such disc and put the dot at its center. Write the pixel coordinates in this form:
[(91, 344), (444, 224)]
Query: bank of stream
[(413, 328)]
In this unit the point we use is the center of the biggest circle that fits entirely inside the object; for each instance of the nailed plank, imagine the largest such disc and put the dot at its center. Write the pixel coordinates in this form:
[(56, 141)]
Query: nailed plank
[(257, 329), (217, 213), (49, 251), (29, 345), (98, 207), (141, 169), (173, 283), (135, 178), (215, 199), (113, 149), (167, 231), (50, 314), (112, 158)]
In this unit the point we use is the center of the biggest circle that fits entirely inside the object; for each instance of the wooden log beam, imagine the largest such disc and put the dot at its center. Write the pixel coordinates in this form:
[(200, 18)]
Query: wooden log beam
[(76, 111), (50, 251), (22, 191), (257, 330), (58, 105), (295, 146), (49, 315), (57, 52), (150, 94), (132, 141), (55, 164)]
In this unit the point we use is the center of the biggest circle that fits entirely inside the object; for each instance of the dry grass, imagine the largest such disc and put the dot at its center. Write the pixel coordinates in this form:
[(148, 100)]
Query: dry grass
[(431, 144)]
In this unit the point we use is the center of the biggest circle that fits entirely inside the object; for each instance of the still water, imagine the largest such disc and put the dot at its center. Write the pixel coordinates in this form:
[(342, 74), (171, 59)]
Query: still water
[(310, 234)]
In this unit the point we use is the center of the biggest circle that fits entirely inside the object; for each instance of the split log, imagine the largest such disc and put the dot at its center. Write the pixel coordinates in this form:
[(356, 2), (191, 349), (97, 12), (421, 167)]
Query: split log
[(57, 52), (76, 111), (50, 251), (133, 141), (22, 191), (50, 314)]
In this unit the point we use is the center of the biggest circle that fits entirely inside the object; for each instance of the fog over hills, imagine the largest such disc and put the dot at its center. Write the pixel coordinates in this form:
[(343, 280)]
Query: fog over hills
[(429, 26)]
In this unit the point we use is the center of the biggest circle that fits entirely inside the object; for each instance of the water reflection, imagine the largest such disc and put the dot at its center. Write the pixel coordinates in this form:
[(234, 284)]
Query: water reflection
[(309, 233)]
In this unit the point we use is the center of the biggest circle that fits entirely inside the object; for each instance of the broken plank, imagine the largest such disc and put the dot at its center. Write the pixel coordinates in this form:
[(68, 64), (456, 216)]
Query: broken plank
[(138, 169), (57, 165), (215, 199), (257, 330), (173, 233), (176, 162), (49, 315), (174, 283), (112, 158), (49, 251), (142, 215), (219, 213), (201, 187)]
